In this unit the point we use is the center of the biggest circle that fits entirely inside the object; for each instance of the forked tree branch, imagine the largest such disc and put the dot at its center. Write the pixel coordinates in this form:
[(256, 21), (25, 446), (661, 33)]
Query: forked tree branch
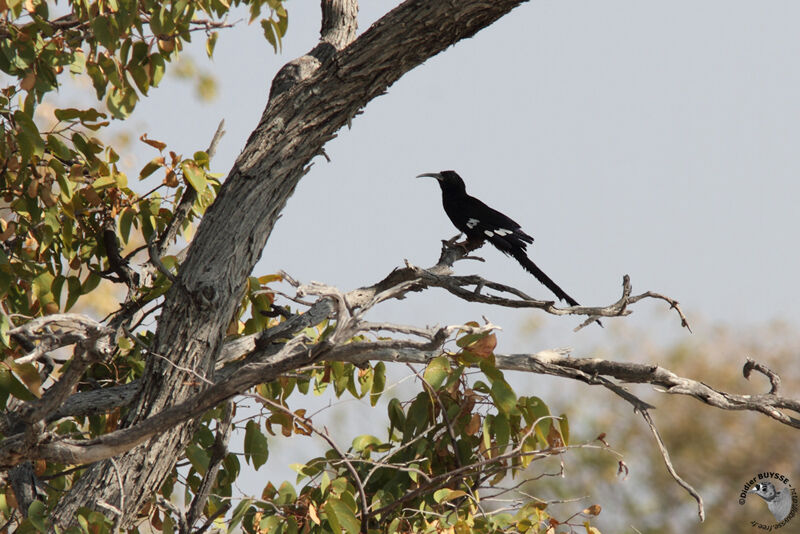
[(270, 355)]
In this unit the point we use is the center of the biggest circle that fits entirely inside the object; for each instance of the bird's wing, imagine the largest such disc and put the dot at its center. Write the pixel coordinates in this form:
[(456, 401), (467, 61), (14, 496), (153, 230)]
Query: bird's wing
[(488, 223)]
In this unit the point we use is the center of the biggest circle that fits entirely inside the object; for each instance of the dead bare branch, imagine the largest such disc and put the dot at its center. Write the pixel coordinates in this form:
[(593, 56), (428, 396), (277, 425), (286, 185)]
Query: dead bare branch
[(774, 379), (665, 455)]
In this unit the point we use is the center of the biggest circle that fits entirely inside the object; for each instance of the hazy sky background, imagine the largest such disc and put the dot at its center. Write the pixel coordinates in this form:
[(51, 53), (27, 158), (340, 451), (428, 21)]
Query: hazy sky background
[(658, 139)]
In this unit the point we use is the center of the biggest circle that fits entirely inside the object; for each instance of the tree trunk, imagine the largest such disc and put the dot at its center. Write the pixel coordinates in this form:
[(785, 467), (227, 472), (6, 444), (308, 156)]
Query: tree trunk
[(311, 99)]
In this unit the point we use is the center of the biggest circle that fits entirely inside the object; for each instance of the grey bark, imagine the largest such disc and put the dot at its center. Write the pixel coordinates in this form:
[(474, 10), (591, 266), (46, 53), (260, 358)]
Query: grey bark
[(25, 485), (296, 124)]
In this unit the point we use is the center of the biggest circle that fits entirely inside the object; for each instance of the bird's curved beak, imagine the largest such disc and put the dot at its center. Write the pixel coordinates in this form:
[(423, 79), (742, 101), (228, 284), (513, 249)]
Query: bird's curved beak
[(436, 175)]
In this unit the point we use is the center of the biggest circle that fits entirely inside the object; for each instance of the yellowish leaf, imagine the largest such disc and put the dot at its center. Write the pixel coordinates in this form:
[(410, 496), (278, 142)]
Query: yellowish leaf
[(153, 143), (312, 513), (473, 426)]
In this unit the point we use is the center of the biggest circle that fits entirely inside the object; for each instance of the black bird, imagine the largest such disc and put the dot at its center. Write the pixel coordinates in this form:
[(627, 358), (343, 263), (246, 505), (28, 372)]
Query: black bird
[(481, 223)]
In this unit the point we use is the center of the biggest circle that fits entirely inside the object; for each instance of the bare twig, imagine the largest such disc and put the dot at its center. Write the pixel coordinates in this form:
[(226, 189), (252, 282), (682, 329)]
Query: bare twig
[(121, 489), (222, 510), (177, 512), (155, 259), (665, 455), (324, 434)]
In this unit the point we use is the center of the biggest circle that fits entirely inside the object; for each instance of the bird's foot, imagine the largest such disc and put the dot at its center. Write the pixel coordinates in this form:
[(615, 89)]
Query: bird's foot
[(468, 245)]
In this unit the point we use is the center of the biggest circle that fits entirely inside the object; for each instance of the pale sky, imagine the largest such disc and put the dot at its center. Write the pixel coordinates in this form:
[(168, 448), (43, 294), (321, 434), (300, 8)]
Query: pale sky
[(654, 139), (658, 140)]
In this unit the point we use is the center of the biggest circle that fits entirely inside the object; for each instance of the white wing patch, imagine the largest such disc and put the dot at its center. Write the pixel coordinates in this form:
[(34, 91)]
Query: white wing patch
[(472, 223), (488, 233), (502, 232)]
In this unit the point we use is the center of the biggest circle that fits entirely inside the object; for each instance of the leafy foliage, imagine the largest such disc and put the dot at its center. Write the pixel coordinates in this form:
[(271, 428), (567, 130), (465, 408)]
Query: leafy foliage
[(71, 218), (443, 449)]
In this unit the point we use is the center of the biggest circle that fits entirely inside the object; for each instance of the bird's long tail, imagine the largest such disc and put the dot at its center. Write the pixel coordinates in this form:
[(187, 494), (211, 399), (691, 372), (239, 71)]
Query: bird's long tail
[(531, 267)]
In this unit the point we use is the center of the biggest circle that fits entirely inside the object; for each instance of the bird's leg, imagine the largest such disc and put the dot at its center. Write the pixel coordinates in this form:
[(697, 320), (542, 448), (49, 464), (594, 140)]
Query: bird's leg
[(468, 245), (471, 244)]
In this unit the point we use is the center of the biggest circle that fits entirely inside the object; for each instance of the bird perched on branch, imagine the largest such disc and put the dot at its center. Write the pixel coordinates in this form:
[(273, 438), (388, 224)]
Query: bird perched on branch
[(481, 223), (778, 502)]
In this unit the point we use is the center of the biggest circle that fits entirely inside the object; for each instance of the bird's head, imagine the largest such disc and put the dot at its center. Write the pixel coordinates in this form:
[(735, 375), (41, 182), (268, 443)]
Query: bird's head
[(447, 179), (764, 490)]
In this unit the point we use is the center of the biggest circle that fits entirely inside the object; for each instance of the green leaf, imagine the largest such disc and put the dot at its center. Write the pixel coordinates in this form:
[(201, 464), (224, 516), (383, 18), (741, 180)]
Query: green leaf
[(486, 434), (201, 158), (445, 494), (37, 514), (283, 21), (125, 49), (104, 182), (58, 282), (286, 494), (364, 441), (198, 457), (151, 167), (5, 326), (168, 525), (85, 115), (255, 445), (365, 381), (378, 383), (211, 42), (238, 513), (103, 32), (125, 221), (504, 397), (99, 79), (121, 179), (58, 147), (341, 517), (418, 416), (11, 384), (397, 417), (73, 292), (194, 175), (141, 78), (502, 432), (121, 102), (269, 33), (29, 375), (157, 68), (78, 63), (43, 287), (537, 410), (30, 140), (437, 371)]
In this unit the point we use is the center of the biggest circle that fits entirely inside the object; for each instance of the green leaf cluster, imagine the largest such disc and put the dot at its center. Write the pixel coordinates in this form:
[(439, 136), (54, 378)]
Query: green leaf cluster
[(460, 435)]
